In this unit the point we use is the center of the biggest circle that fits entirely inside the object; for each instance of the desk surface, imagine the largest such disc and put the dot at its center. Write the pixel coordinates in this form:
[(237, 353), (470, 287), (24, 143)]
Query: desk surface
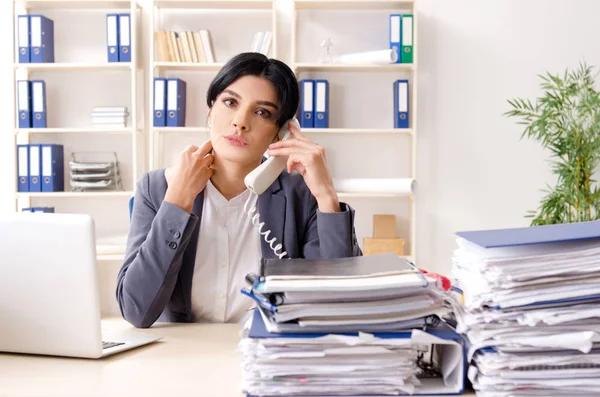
[(190, 360)]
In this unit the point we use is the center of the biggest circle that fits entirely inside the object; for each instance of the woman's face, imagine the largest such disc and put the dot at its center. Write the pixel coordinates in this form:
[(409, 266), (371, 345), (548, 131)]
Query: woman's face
[(242, 120)]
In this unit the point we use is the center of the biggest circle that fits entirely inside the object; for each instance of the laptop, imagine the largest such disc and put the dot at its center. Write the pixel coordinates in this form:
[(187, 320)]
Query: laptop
[(49, 293)]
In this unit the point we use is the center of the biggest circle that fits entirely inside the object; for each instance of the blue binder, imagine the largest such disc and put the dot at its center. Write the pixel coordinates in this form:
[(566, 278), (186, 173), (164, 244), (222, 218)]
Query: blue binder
[(401, 104), (23, 39), (42, 39), (396, 34), (24, 103), (307, 108), (176, 102), (49, 210), (124, 38), (542, 234), (53, 168), (112, 37), (456, 346), (38, 103), (35, 168), (23, 168), (160, 101), (321, 104)]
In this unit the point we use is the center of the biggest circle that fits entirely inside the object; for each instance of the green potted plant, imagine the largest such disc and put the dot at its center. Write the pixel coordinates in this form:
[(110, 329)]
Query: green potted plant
[(566, 120)]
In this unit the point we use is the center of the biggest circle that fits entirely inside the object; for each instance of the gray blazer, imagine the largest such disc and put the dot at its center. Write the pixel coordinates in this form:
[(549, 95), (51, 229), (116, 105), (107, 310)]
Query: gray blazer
[(155, 280)]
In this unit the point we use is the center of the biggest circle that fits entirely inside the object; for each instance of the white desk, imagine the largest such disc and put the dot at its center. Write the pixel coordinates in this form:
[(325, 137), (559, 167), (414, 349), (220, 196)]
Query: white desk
[(191, 360)]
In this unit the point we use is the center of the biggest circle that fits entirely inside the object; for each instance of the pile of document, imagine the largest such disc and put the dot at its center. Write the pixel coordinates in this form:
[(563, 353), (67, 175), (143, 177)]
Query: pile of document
[(530, 309), (334, 325), (109, 116), (92, 171), (366, 293), (188, 47)]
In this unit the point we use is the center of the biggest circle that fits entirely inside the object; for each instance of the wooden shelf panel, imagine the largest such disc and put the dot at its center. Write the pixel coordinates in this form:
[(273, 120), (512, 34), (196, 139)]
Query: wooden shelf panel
[(405, 131), (213, 4), (334, 67), (187, 130), (73, 66), (76, 194), (205, 67), (88, 130), (76, 4), (353, 4)]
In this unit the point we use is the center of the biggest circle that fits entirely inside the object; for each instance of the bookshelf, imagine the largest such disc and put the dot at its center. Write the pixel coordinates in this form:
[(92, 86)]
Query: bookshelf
[(166, 15), (81, 65), (147, 147), (309, 66)]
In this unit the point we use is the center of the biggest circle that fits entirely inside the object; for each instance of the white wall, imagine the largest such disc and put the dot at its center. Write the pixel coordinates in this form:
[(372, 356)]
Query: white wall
[(473, 171)]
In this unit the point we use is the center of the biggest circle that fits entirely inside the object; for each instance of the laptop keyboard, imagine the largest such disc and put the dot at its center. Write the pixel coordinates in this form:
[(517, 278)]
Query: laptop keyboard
[(107, 345)]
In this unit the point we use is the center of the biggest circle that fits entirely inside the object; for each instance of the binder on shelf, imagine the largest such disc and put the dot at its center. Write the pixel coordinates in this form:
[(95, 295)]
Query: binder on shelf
[(160, 101), (401, 119), (53, 168), (321, 104), (49, 210), (42, 39), (176, 102), (35, 168), (395, 34), (407, 38), (38, 103), (112, 37), (24, 39), (24, 103), (307, 109), (124, 38), (23, 168)]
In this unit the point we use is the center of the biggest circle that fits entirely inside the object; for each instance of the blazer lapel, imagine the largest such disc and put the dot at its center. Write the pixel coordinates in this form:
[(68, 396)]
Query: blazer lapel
[(271, 208), (186, 273)]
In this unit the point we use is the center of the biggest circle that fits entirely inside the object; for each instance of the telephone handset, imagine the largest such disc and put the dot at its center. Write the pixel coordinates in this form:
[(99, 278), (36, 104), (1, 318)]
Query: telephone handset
[(263, 176)]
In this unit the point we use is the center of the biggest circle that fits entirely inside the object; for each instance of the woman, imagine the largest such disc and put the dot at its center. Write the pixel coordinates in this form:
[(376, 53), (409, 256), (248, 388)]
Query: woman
[(191, 243)]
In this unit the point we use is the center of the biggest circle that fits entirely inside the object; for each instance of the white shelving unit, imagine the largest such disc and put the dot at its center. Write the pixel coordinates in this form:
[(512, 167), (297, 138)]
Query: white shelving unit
[(404, 6), (160, 69), (24, 71)]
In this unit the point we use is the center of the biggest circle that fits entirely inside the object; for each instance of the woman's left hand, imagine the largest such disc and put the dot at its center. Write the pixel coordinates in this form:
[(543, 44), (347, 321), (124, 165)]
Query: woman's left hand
[(310, 161)]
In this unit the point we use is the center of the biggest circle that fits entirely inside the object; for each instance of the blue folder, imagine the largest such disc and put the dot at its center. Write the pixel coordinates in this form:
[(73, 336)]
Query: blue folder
[(542, 234)]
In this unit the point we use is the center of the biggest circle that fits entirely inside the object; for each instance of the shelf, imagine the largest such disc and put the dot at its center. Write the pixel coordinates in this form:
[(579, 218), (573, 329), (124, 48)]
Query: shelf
[(67, 66), (187, 130), (75, 4), (88, 130), (404, 131), (372, 195), (315, 67), (76, 194), (217, 5), (206, 67), (111, 257), (353, 4)]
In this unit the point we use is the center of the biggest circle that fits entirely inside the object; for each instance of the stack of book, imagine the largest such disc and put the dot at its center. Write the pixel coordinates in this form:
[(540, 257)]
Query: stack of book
[(530, 309), (332, 325), (190, 47), (109, 116)]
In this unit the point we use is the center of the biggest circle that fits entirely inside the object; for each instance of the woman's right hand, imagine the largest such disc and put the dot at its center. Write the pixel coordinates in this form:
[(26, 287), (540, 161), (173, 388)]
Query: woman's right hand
[(189, 176)]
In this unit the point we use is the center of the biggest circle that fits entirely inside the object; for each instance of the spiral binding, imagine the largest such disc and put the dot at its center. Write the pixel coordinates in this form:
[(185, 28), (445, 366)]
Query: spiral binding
[(254, 219)]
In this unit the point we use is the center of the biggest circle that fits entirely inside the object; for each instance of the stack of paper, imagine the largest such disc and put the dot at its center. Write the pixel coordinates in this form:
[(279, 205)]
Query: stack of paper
[(348, 326), (389, 363), (531, 309), (112, 116), (366, 293)]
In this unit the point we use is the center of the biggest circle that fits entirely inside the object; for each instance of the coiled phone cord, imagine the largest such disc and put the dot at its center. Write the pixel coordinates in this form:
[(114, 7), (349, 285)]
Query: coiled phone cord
[(254, 218)]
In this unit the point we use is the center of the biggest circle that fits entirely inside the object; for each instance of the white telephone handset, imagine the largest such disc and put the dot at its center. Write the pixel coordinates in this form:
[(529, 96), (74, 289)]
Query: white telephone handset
[(263, 176)]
